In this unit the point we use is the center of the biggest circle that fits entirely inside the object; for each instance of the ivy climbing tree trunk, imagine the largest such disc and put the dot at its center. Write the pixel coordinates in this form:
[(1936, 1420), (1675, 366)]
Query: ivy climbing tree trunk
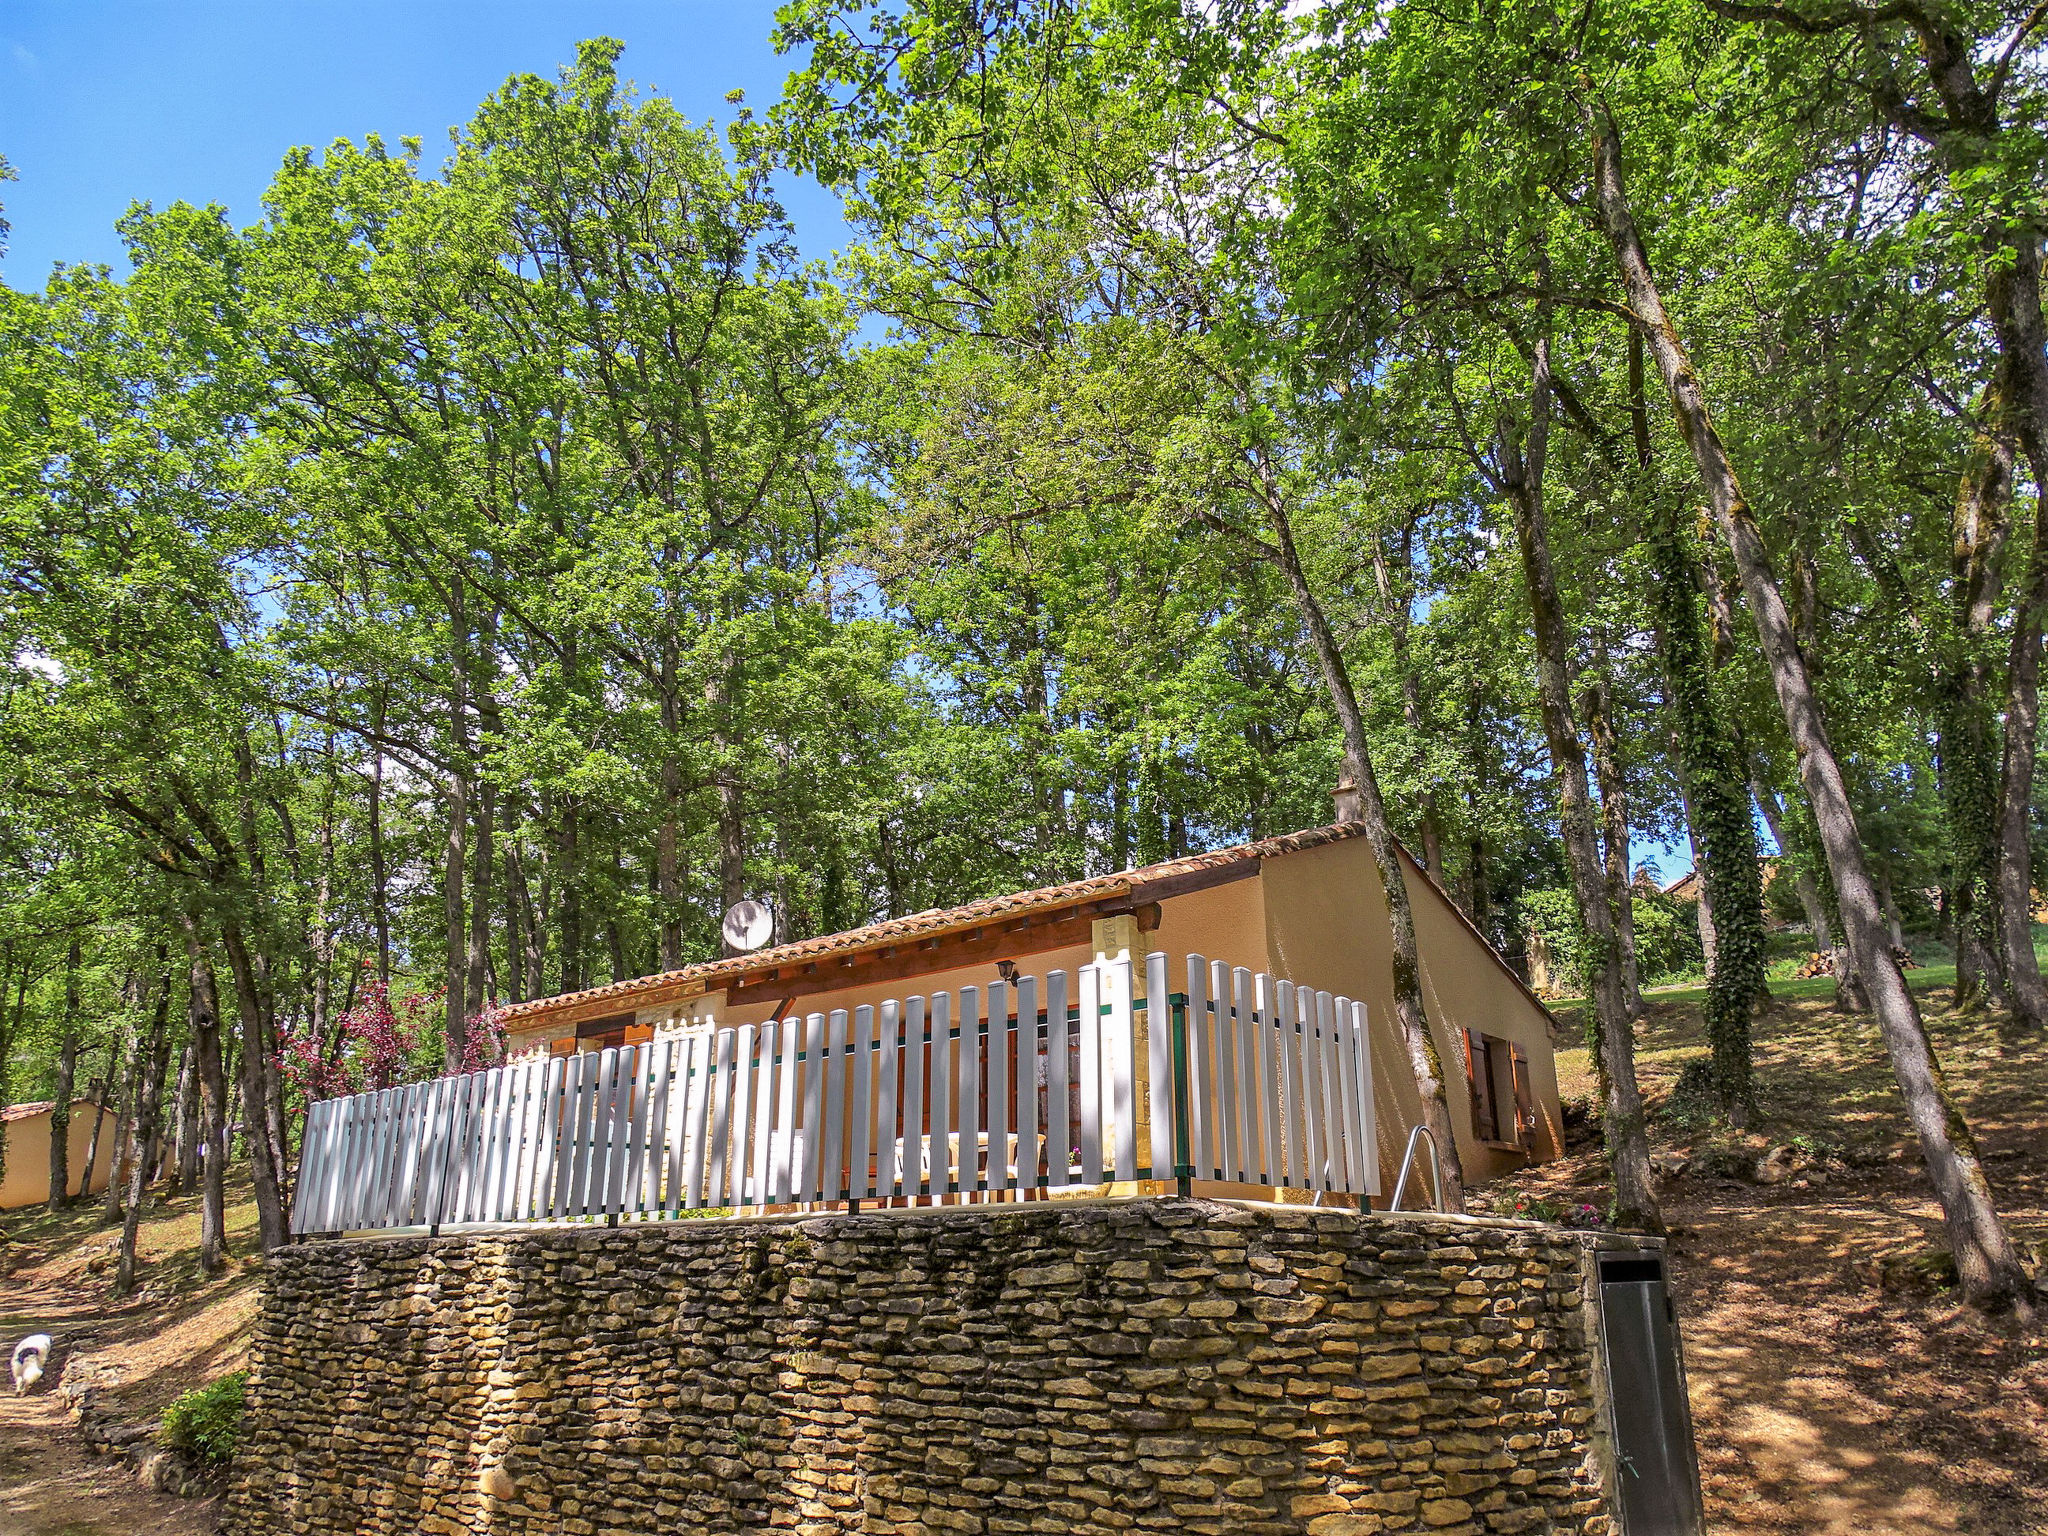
[(1716, 784), (1717, 793)]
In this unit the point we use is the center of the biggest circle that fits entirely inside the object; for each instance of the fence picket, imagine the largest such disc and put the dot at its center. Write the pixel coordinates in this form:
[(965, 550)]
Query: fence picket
[(968, 1094), (998, 1117), (653, 1198), (353, 1193), (562, 1112), (719, 1142), (1347, 1066), (765, 1040), (833, 1167), (1267, 1088), (861, 1070), (364, 1195), (695, 1140), (1316, 1119), (535, 1139), (1060, 1145), (1244, 1037), (1090, 979), (1201, 1068), (888, 1134), (1123, 1077), (1362, 1107), (915, 1050), (1030, 1083), (740, 1114), (940, 1087), (812, 1179), (782, 1169), (1293, 1121)]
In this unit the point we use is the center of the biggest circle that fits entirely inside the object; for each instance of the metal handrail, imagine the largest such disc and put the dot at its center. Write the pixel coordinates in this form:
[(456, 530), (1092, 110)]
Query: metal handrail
[(1436, 1170)]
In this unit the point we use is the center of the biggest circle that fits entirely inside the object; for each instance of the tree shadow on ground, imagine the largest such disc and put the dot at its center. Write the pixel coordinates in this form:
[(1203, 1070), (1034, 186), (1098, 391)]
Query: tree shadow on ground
[(1837, 1384)]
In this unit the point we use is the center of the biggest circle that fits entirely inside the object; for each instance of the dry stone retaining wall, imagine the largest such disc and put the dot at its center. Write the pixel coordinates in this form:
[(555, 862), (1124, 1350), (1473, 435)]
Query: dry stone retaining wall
[(1162, 1365)]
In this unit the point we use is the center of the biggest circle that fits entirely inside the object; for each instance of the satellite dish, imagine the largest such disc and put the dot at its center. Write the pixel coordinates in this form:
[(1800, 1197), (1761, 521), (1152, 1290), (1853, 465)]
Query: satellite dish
[(748, 926)]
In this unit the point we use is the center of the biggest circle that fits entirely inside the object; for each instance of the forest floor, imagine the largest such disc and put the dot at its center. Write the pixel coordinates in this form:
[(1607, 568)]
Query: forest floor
[(1837, 1384), (178, 1332)]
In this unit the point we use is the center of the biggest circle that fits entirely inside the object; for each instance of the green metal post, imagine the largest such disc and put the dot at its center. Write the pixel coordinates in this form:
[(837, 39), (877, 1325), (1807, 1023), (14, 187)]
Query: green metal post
[(1183, 1158)]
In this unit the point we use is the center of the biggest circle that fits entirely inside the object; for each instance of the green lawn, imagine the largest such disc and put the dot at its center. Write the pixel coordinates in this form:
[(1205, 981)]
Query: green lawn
[(1941, 973)]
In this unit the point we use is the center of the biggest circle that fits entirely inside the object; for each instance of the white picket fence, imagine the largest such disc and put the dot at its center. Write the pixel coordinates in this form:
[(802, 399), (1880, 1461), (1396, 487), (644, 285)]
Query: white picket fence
[(970, 1095)]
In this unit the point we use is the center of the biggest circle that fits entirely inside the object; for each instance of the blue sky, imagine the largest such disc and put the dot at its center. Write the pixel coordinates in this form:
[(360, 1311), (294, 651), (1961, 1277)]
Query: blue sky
[(105, 102)]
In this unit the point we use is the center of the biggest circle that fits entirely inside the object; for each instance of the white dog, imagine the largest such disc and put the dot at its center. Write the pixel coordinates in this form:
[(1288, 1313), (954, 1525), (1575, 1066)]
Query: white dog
[(29, 1357)]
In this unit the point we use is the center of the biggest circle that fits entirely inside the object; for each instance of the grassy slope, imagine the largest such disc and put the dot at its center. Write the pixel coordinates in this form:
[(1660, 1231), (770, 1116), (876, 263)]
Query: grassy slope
[(1837, 1387)]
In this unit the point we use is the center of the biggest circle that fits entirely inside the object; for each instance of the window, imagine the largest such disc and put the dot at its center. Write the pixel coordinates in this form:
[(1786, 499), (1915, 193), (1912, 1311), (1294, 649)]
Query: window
[(603, 1034), (1497, 1076), (1479, 1080)]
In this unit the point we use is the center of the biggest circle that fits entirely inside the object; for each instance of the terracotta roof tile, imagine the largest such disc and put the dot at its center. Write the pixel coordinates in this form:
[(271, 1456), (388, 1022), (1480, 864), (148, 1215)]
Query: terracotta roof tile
[(941, 920)]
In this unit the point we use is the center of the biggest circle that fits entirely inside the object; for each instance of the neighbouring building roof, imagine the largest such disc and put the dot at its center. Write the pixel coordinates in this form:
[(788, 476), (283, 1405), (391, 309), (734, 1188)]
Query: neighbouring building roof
[(1114, 892), (29, 1111)]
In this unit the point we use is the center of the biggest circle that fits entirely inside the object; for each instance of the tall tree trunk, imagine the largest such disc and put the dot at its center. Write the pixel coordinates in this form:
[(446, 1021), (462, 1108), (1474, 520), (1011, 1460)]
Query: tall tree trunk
[(732, 842), (380, 900), (1614, 828), (668, 861), (265, 1169), (67, 1068), (8, 1035), (320, 942), (526, 937), (1521, 469), (477, 978), (100, 1091), (2013, 300), (2029, 997), (455, 921), (203, 1003), (142, 1130), (124, 1106), (184, 1121), (1395, 599), (1986, 1261), (569, 881), (1411, 1014)]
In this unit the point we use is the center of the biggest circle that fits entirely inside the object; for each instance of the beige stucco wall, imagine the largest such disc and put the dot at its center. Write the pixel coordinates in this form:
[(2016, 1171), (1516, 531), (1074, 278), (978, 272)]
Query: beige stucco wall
[(1326, 926), (28, 1157)]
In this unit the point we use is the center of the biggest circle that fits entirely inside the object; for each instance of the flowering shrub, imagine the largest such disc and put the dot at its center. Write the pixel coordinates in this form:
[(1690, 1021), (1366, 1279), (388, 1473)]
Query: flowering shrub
[(384, 1044), (1519, 1206), (485, 1046)]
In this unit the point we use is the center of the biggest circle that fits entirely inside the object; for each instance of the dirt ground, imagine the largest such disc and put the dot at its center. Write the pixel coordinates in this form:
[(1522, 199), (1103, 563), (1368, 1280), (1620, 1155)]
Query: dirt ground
[(1837, 1387), (56, 1276)]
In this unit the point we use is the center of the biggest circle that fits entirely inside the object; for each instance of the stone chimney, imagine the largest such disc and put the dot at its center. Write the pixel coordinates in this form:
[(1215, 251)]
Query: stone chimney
[(1346, 796)]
